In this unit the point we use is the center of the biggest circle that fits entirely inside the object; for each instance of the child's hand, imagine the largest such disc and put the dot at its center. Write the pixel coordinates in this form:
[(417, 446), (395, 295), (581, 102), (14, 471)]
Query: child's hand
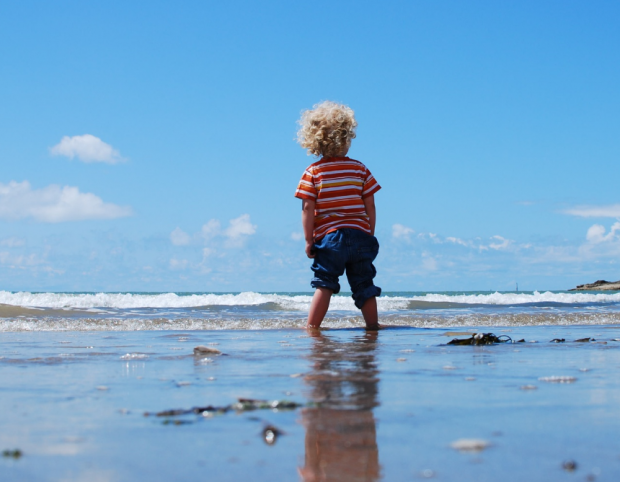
[(310, 251)]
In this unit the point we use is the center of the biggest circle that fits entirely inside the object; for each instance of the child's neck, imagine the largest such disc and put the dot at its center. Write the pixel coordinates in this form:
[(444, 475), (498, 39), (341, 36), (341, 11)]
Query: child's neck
[(342, 154)]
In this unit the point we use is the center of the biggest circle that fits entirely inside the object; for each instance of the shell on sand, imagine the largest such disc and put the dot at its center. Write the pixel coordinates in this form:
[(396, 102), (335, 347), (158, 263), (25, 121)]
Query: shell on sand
[(555, 379), (469, 444), (201, 350)]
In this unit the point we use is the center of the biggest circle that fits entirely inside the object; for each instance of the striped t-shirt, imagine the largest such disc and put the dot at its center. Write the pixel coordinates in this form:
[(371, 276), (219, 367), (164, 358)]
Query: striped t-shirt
[(339, 185)]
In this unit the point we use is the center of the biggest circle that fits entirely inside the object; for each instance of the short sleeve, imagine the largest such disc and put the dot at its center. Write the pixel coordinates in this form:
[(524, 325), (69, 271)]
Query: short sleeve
[(306, 188), (371, 185)]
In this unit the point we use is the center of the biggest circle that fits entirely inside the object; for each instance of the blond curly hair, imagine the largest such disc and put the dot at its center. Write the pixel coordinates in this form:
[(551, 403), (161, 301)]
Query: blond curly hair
[(327, 129)]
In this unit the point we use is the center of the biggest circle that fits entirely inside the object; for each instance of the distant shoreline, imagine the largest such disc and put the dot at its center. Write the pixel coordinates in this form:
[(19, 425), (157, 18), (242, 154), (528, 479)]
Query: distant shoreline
[(600, 285)]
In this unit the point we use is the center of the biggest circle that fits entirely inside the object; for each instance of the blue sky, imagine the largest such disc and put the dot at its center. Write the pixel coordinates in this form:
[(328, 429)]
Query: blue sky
[(150, 148)]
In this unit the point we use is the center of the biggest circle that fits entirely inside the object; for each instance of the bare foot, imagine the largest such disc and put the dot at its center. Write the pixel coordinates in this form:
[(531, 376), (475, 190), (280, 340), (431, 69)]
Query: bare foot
[(314, 331)]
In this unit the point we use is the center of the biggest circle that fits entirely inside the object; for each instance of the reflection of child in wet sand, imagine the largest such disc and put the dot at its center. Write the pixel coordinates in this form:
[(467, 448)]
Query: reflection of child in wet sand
[(338, 212), (341, 435)]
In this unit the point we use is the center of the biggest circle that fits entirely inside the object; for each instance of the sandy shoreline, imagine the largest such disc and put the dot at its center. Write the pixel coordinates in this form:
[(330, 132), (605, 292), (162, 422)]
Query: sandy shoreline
[(384, 406)]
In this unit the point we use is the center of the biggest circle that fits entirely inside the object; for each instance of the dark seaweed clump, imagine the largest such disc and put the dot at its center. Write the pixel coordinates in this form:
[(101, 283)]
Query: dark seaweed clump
[(481, 339), (12, 454), (242, 405)]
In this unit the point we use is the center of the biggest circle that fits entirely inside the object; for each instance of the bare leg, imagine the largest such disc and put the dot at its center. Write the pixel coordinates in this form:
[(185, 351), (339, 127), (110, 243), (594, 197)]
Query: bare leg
[(319, 306), (371, 317)]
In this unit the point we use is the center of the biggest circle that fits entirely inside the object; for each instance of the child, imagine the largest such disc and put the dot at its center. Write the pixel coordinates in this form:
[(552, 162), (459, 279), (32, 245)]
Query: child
[(338, 212)]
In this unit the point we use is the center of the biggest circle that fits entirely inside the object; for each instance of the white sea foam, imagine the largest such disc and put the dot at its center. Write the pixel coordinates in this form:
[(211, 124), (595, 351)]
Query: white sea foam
[(522, 298), (91, 301), (447, 320)]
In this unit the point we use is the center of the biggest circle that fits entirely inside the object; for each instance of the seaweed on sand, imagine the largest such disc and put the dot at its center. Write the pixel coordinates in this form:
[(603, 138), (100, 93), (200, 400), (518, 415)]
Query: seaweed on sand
[(242, 405), (481, 339)]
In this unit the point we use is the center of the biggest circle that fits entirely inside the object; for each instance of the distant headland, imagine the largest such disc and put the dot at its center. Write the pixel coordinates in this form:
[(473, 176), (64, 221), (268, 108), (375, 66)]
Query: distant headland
[(600, 285)]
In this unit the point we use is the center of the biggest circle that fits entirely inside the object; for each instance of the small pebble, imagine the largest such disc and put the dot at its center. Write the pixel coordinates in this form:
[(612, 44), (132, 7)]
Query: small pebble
[(134, 356), (103, 388), (296, 375), (558, 379), (271, 434), (427, 473), (201, 350), (469, 445), (270, 437), (569, 465)]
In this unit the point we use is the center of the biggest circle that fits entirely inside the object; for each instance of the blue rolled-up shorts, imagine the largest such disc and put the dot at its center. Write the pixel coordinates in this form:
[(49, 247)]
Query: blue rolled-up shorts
[(350, 250)]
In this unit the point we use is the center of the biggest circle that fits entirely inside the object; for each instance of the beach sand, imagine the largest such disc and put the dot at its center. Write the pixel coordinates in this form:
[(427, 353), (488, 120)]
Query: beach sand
[(394, 405)]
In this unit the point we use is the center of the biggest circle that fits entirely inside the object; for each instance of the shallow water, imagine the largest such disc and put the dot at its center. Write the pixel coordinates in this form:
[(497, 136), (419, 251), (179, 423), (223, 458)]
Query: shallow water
[(376, 406)]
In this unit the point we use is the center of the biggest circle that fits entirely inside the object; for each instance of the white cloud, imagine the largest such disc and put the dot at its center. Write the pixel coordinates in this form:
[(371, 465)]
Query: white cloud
[(596, 233), (180, 237), (296, 236), (178, 264), (234, 235), (86, 148), (454, 240), (12, 261), (211, 229), (240, 227), (496, 243), (54, 204), (610, 211), (12, 242), (400, 231), (429, 263), (600, 244), (502, 243)]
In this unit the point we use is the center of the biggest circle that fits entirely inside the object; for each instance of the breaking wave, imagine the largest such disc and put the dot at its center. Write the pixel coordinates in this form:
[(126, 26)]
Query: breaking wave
[(296, 302), (23, 311)]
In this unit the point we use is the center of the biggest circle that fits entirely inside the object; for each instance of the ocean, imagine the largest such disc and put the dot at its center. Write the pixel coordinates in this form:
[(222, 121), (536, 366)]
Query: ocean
[(130, 311), (109, 387)]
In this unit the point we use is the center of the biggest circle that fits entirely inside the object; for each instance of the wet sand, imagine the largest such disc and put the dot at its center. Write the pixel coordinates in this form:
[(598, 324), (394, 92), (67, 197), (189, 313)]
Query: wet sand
[(373, 406)]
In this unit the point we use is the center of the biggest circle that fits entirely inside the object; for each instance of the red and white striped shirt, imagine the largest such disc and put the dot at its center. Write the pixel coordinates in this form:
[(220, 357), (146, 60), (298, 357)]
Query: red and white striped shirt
[(339, 186)]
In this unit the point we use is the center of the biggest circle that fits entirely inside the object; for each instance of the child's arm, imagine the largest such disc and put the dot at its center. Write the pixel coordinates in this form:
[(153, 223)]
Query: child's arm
[(307, 221), (369, 202)]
